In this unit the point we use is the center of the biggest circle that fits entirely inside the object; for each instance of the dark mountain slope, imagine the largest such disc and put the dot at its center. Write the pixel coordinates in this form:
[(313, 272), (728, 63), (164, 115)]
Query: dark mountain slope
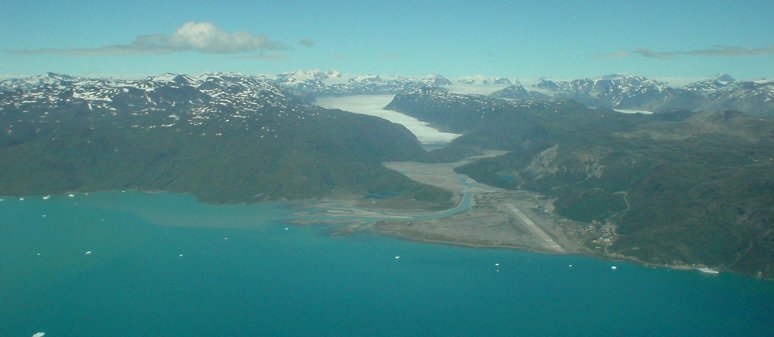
[(678, 187), (221, 138)]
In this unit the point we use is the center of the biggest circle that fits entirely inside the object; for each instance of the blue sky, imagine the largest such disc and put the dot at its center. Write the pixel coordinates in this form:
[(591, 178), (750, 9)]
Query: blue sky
[(517, 39)]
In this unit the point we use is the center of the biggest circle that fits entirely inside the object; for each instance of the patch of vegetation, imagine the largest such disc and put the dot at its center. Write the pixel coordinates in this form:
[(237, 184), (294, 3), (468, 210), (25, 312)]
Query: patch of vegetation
[(334, 152), (590, 205)]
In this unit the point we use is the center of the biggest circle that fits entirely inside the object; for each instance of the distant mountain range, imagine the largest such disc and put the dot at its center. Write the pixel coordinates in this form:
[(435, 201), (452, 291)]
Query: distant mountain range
[(317, 84), (618, 91), (627, 92), (221, 137)]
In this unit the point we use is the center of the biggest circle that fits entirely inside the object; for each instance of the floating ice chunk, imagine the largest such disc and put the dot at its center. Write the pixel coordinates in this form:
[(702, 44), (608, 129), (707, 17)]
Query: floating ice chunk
[(397, 257), (39, 334), (88, 252), (497, 264), (614, 268)]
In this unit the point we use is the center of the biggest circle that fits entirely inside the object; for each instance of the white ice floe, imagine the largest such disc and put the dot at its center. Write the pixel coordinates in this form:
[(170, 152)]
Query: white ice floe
[(397, 257), (39, 334), (614, 268), (88, 252), (627, 111)]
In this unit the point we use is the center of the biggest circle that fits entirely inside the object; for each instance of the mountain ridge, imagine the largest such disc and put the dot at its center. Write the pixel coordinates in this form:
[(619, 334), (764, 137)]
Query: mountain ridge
[(632, 92), (221, 137)]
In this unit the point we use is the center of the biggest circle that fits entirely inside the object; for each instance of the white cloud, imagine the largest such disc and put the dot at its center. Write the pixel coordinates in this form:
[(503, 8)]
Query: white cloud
[(392, 57), (339, 57), (203, 37), (715, 51), (616, 54), (267, 57)]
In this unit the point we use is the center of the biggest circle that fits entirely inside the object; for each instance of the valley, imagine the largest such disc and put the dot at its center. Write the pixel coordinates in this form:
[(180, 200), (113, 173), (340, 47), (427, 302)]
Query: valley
[(485, 216)]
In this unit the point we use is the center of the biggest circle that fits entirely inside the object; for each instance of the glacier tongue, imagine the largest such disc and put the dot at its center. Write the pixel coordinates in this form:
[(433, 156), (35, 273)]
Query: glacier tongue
[(373, 105)]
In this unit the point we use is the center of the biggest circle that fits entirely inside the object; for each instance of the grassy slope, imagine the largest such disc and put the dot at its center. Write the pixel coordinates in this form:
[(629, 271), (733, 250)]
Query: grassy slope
[(337, 152)]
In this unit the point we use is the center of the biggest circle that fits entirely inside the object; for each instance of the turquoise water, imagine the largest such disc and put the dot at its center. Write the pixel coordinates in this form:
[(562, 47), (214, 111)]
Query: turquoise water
[(266, 280)]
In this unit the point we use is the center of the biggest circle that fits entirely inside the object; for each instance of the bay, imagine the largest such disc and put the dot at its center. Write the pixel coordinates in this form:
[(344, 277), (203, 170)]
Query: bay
[(136, 264)]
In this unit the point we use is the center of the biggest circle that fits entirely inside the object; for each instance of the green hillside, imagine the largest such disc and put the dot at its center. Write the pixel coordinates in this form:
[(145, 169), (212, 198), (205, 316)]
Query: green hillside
[(679, 187)]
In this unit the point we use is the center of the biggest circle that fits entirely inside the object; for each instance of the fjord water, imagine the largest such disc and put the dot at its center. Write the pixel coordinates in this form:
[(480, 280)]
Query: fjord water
[(167, 265)]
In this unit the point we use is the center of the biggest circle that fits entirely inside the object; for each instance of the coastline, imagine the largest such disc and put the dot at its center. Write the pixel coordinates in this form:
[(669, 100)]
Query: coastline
[(373, 226)]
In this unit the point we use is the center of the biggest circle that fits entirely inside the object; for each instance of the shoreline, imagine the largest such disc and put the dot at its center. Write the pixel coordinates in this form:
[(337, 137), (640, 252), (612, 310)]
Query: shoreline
[(584, 253), (339, 221)]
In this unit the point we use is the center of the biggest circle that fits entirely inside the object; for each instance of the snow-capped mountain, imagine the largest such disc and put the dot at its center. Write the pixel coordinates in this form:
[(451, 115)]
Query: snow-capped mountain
[(157, 101), (620, 91), (483, 80), (616, 90), (711, 85), (315, 83), (725, 93), (517, 91)]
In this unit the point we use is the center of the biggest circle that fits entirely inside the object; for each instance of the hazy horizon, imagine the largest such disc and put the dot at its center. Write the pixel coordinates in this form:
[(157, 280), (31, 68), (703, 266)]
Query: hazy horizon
[(662, 39)]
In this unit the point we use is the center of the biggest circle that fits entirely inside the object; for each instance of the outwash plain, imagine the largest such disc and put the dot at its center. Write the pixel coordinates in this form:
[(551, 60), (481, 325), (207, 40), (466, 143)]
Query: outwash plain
[(493, 217)]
